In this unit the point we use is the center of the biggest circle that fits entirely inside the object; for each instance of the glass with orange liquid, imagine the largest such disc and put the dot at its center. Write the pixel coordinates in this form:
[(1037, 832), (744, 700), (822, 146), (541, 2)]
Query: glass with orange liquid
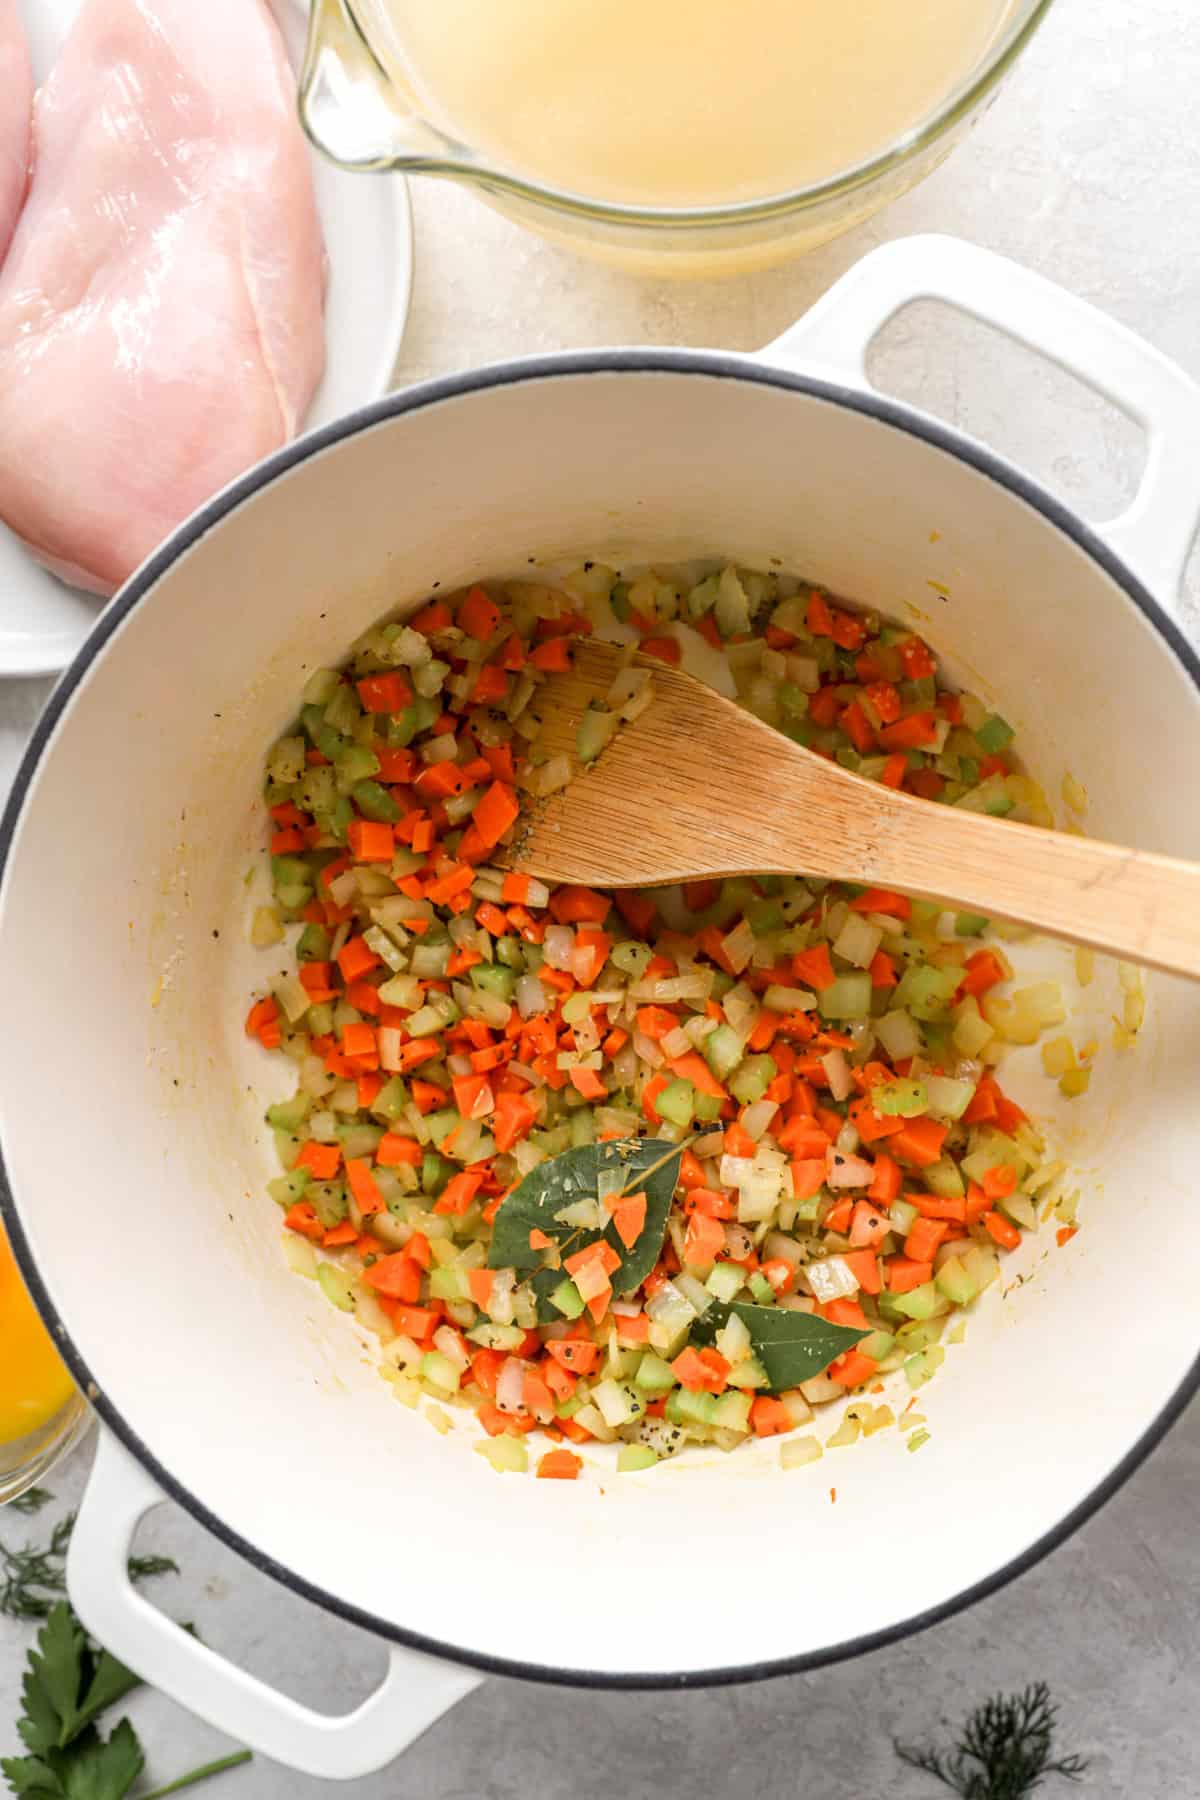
[(42, 1412)]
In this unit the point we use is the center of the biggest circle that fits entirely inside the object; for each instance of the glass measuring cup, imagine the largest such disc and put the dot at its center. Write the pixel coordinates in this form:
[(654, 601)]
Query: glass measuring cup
[(363, 113)]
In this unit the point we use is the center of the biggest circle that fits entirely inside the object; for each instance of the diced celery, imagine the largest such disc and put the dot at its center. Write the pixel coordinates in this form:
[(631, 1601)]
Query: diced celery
[(732, 1412), (685, 1408), (749, 1373), (949, 1098), (653, 1375), (943, 1177), (320, 687), (313, 944), (925, 990), (751, 1079), (903, 1099), (632, 958), (342, 710), (849, 997), (982, 1265), (289, 1188), (722, 1051), (632, 1457), (567, 1299), (919, 1302), (440, 1372), (953, 1281), (708, 1107), (335, 1285), (449, 1283), (903, 1215), (761, 1288), (968, 924), (877, 1345), (924, 1366), (506, 1453), (994, 735), (374, 802), (494, 978), (677, 1102), (725, 1280), (289, 1115), (354, 765), (328, 1201)]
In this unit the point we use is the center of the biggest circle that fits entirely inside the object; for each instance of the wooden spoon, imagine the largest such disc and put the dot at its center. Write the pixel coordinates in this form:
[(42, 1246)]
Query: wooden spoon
[(697, 786)]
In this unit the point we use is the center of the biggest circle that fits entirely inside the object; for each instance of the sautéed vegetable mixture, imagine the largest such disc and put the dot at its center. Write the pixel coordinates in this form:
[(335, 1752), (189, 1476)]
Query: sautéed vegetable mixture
[(651, 1166)]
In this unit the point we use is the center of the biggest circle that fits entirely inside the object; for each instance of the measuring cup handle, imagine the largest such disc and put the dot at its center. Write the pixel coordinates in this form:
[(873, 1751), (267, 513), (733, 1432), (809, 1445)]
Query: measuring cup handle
[(1154, 535), (415, 1691)]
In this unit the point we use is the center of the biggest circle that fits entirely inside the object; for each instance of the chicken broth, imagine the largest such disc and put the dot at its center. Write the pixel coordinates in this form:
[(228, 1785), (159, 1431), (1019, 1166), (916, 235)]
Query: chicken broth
[(683, 103)]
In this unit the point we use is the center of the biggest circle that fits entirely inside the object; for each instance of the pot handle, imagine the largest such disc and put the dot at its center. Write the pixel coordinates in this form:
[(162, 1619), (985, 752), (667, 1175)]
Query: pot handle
[(1154, 535), (415, 1691)]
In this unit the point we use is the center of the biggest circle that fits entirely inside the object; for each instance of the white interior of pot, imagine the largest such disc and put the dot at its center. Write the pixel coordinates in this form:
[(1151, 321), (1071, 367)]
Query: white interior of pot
[(132, 1101)]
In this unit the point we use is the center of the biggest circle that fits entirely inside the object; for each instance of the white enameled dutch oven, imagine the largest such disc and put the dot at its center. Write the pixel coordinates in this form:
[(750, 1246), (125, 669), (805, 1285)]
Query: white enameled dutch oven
[(132, 1101)]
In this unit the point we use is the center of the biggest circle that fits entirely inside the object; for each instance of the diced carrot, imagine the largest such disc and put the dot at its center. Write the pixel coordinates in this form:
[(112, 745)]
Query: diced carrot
[(894, 770), (321, 1160), (559, 1465), (665, 649), (552, 656), (578, 1355), (999, 1228), (579, 906), (924, 1239), (364, 1187), (903, 1274), (459, 1192), (853, 1369), (839, 1216), (917, 659), (857, 726), (705, 1239), (769, 1417), (999, 1182), (818, 617), (338, 1236), (478, 614), (479, 1281), (920, 1142), (302, 1218), (495, 812), (864, 1266), (883, 900), (384, 693), (358, 1038), (984, 970), (650, 1093), (397, 1277), (701, 1371), (416, 1322), (777, 1270), (882, 970), (738, 1141), (814, 968), (951, 1207), (355, 958), (629, 1218), (588, 1083), (599, 1251), (808, 1175), (595, 946), (911, 733)]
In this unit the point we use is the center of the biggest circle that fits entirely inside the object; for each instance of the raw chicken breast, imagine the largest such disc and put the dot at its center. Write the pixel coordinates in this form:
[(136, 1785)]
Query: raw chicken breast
[(161, 304), (16, 109)]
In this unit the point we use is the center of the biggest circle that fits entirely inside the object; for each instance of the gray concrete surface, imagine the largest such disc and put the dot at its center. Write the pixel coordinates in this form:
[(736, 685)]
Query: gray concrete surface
[(1088, 169)]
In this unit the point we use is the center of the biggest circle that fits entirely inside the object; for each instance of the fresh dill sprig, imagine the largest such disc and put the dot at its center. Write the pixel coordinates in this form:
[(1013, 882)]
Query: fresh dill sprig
[(142, 1568), (32, 1579), (1004, 1751), (32, 1500)]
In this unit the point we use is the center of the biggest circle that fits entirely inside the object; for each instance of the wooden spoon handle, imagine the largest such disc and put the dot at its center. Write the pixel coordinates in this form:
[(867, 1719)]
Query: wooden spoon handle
[(1132, 903)]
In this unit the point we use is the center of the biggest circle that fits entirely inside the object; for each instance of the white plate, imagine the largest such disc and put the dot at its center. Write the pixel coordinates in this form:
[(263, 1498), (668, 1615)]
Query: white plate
[(368, 237)]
